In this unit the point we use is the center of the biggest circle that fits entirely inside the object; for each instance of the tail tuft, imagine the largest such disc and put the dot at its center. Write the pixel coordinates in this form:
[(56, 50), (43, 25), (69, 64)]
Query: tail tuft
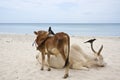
[(66, 62)]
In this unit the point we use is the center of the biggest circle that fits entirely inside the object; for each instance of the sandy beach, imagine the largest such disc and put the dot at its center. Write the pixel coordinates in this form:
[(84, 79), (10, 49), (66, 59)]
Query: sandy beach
[(18, 62)]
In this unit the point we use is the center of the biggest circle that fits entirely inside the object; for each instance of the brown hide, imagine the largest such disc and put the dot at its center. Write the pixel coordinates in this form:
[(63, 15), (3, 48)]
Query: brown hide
[(54, 45)]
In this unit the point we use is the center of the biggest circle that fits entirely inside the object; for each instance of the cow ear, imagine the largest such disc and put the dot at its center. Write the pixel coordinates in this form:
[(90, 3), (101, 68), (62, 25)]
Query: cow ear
[(35, 32)]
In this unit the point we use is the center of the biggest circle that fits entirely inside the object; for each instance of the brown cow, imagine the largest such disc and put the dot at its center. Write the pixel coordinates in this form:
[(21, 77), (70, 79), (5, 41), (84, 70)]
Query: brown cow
[(53, 45)]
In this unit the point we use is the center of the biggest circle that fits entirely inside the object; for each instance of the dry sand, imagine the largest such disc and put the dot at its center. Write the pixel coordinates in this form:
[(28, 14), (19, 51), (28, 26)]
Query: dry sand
[(18, 62)]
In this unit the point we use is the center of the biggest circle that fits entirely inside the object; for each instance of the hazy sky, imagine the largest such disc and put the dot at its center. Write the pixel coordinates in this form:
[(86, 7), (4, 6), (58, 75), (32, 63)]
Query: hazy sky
[(59, 11)]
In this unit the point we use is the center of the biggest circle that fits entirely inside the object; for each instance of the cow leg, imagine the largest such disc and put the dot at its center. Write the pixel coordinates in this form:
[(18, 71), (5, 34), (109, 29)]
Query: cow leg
[(37, 57), (66, 67), (66, 71), (63, 55), (43, 61), (48, 55), (79, 66)]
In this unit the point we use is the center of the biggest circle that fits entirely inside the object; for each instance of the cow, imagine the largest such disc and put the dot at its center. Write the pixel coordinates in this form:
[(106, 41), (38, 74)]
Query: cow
[(48, 44), (96, 60)]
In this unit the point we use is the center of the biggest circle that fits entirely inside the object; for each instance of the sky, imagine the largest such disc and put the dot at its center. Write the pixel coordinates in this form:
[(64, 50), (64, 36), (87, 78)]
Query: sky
[(59, 11)]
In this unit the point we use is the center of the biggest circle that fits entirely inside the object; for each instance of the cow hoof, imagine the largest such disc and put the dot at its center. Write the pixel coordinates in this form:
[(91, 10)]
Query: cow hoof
[(42, 69), (49, 69), (65, 76)]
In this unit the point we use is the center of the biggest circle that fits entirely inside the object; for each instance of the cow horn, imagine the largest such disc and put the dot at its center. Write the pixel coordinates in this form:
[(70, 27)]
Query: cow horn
[(100, 50), (93, 48), (91, 42)]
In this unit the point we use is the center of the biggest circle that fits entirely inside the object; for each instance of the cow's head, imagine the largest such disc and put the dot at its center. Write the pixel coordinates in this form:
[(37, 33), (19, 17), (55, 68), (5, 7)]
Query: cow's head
[(98, 58), (41, 36)]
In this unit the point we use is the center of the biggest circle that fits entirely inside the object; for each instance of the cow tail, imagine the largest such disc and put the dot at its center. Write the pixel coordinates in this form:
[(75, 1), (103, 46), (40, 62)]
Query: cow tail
[(67, 59)]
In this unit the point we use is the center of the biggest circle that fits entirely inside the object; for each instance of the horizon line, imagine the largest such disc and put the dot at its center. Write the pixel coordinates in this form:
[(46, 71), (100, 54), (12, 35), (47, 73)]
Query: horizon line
[(57, 23)]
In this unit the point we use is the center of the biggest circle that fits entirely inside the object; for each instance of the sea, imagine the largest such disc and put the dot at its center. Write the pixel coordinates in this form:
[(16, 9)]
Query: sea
[(73, 29)]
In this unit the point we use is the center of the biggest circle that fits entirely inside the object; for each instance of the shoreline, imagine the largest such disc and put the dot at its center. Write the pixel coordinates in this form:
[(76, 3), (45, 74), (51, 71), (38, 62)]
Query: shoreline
[(69, 35)]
